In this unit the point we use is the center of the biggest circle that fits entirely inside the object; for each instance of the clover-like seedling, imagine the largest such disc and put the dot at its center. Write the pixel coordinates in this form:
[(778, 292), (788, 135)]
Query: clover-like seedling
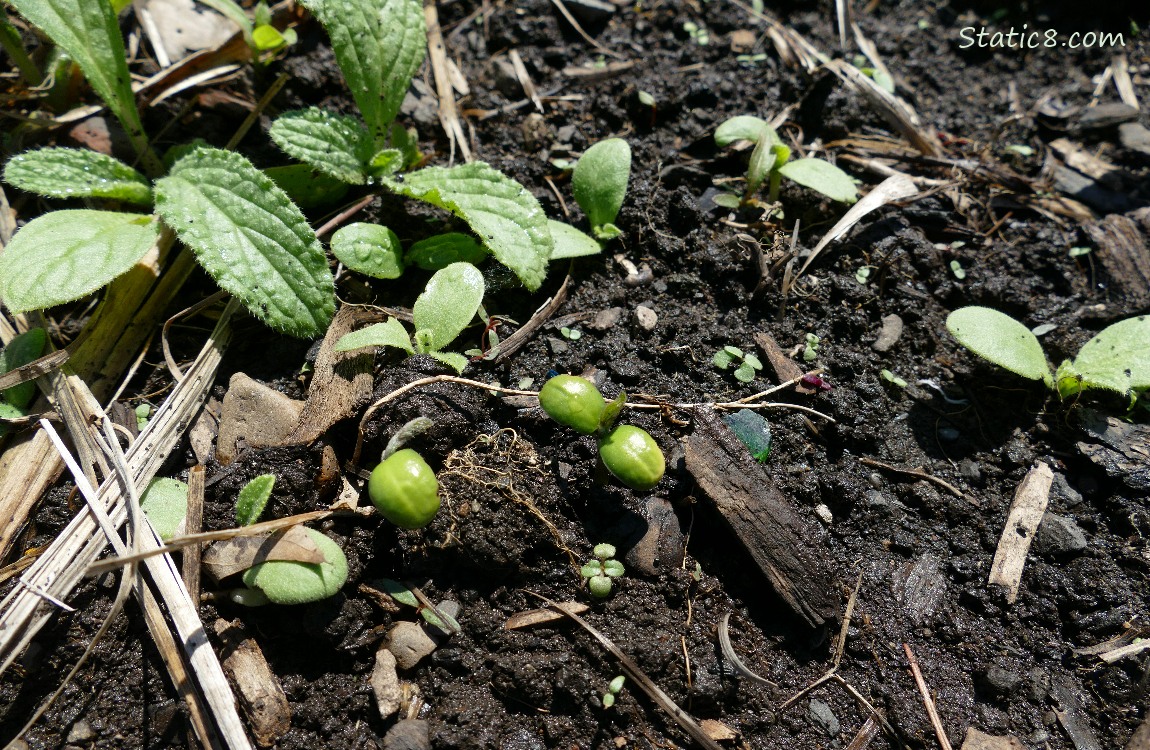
[(446, 306), (599, 183), (810, 347), (599, 571), (1117, 359), (613, 689), (770, 162), (745, 363)]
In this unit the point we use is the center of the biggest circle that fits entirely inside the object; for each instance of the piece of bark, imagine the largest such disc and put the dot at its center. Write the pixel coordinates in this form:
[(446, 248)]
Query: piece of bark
[(260, 695), (340, 382), (976, 740), (1026, 511), (1121, 248), (787, 548), (785, 368)]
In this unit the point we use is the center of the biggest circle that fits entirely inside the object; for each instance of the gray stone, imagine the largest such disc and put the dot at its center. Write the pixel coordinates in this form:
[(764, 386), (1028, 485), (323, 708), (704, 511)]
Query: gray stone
[(889, 333), (1106, 115), (521, 739), (1000, 682), (1135, 136), (557, 346), (504, 78), (408, 734), (1062, 494), (385, 683), (605, 319), (970, 471), (824, 717), (1059, 536), (409, 643), (260, 415), (81, 731), (646, 318)]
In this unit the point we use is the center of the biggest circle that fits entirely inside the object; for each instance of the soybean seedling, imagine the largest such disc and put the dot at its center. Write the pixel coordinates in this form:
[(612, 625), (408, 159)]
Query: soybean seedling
[(1117, 359), (745, 363), (599, 183), (446, 306), (770, 162), (403, 488), (599, 571)]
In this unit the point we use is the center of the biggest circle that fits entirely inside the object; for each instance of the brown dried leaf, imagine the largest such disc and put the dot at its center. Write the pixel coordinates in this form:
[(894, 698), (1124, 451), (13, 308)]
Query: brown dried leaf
[(232, 556), (540, 616)]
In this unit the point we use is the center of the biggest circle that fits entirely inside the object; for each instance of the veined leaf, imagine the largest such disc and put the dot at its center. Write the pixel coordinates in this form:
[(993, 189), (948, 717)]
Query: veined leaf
[(65, 255), (371, 249), (379, 45), (570, 242), (599, 181), (447, 304), (251, 238), (306, 185), (507, 218), (389, 333), (88, 31), (334, 144), (77, 173), (1118, 358), (823, 177), (1000, 339)]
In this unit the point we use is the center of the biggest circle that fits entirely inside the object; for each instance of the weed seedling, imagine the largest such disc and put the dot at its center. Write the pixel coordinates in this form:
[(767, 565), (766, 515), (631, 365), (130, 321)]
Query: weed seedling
[(599, 183), (599, 571), (745, 363), (811, 348), (25, 348), (613, 689)]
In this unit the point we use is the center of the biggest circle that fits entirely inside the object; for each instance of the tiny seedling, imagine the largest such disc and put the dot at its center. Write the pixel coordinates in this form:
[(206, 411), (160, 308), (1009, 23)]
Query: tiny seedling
[(253, 498), (571, 334), (770, 162), (260, 35), (697, 33), (143, 413), (613, 689), (1117, 359), (446, 306), (745, 363), (599, 183), (957, 269), (25, 348), (893, 379), (811, 348), (403, 487), (599, 571)]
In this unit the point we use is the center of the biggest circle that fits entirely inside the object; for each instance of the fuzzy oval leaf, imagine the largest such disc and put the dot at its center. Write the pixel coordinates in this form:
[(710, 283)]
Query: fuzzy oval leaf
[(442, 250), (65, 255), (251, 238), (454, 360), (334, 144), (1000, 339), (599, 181), (448, 303), (1118, 358), (25, 348), (77, 173), (389, 333), (504, 214), (744, 128), (307, 186), (253, 498), (822, 177), (379, 45), (165, 503), (371, 249), (570, 242)]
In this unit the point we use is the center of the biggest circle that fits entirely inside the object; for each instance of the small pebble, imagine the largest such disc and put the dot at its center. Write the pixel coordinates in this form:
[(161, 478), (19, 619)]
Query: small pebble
[(557, 346), (408, 734), (385, 683), (81, 731), (824, 717), (888, 336), (605, 319), (409, 643), (970, 471), (824, 514), (1059, 536), (875, 480), (646, 318)]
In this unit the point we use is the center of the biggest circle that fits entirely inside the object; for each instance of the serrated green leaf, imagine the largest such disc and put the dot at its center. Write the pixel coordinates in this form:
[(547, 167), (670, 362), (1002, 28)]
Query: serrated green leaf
[(65, 255), (89, 32), (77, 173), (744, 128), (822, 177), (253, 498), (570, 242), (600, 179), (1118, 358), (379, 45), (371, 249), (1000, 339), (448, 304), (251, 238), (504, 214), (455, 361), (21, 350), (389, 333), (334, 144), (441, 250), (165, 503), (306, 186)]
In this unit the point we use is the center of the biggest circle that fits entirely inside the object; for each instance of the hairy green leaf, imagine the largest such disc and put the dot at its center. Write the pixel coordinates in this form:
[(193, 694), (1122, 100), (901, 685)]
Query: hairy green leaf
[(599, 181), (389, 333), (1118, 358), (1000, 339), (165, 503), (21, 350), (65, 255), (253, 498), (77, 173), (822, 177), (306, 186), (334, 144), (454, 360), (9, 411), (448, 304), (379, 45), (763, 159), (88, 31), (371, 249), (441, 250), (251, 238), (570, 242), (505, 215), (744, 128)]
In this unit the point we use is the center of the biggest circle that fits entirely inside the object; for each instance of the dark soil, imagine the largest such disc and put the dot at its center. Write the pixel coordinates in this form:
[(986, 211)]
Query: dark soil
[(520, 491)]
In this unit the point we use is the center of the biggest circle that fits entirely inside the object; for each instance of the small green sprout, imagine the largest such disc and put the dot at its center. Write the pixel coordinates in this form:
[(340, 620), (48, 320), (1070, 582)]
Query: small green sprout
[(633, 457), (613, 689), (253, 498), (599, 183), (1078, 252), (601, 570), (863, 274), (893, 379), (745, 363), (751, 61), (572, 334), (646, 99), (957, 269), (143, 412), (698, 33), (25, 348), (811, 348), (1117, 359)]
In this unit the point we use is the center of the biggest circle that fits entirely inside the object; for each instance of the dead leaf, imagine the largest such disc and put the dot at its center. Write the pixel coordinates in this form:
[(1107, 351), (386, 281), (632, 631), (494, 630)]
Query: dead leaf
[(540, 616), (232, 556)]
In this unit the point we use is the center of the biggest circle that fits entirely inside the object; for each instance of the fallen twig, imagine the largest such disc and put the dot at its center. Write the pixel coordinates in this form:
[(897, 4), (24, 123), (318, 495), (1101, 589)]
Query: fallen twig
[(927, 701), (921, 475), (1022, 520)]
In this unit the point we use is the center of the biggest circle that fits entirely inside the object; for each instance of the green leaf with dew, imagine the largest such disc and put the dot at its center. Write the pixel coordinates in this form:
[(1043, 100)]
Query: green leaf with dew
[(999, 338), (306, 186), (337, 145), (77, 173), (448, 304), (253, 498), (64, 255), (822, 177), (389, 333), (441, 250), (600, 179), (370, 249), (250, 238)]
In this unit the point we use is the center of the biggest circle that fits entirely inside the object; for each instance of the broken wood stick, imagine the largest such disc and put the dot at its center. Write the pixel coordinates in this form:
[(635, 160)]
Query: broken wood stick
[(1026, 510)]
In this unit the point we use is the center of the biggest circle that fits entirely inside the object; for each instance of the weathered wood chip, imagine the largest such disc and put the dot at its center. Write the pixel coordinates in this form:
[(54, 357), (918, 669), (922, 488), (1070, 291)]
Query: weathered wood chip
[(1026, 510), (231, 556), (261, 696), (976, 740), (1123, 250), (718, 731)]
